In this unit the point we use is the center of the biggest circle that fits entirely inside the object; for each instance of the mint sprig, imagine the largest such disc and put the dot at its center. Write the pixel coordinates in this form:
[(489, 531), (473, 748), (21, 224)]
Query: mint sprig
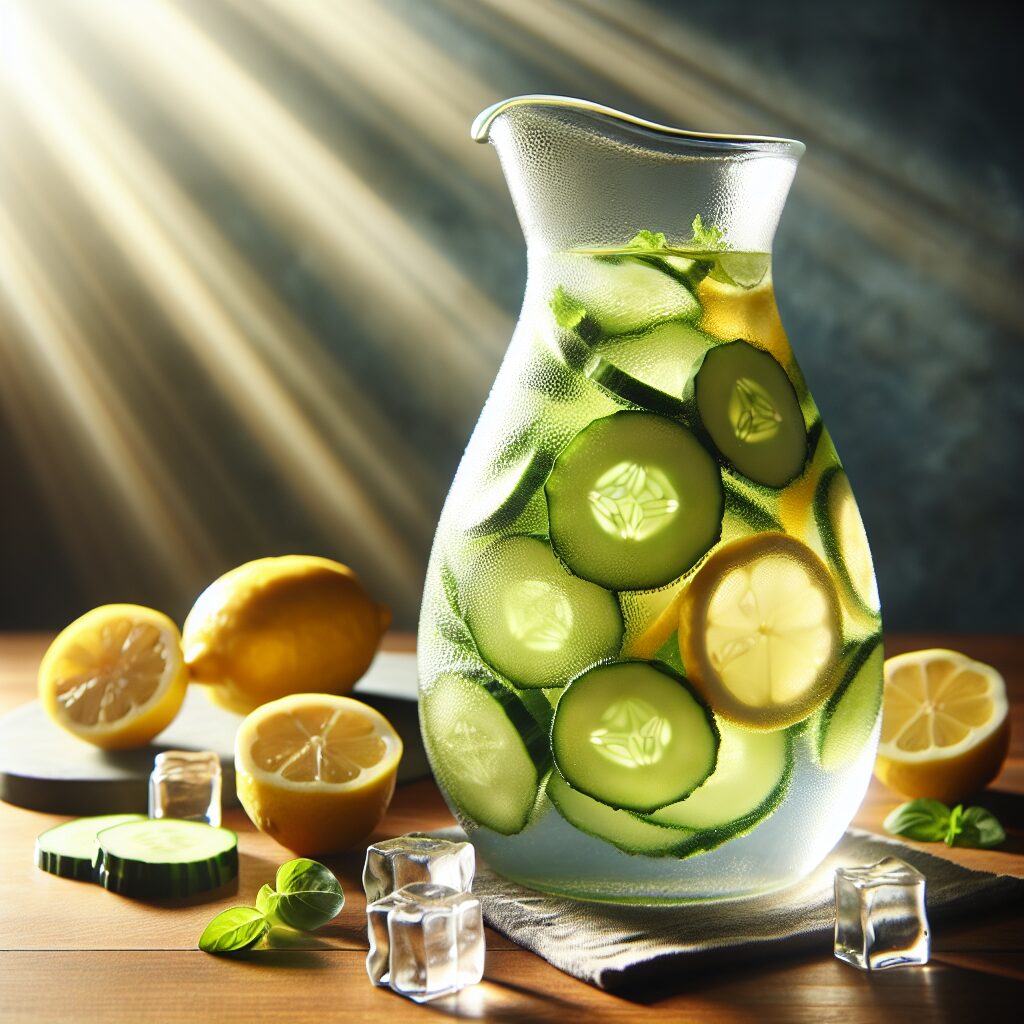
[(931, 821), (306, 897), (707, 239)]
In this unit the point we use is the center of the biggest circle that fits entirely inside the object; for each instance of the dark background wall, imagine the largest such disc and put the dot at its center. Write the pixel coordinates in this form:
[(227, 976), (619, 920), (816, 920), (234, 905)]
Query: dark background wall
[(255, 280)]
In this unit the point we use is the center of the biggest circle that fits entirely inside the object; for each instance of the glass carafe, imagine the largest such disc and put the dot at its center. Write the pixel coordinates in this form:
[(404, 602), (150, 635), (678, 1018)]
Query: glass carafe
[(649, 649)]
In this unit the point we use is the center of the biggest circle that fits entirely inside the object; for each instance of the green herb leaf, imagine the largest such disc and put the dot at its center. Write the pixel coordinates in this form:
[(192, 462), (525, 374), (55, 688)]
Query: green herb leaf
[(573, 316), (648, 240), (954, 828), (707, 239), (233, 930), (266, 901), (924, 820), (308, 895), (979, 828)]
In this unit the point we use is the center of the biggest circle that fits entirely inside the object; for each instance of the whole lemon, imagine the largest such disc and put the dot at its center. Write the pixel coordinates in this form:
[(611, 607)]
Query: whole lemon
[(277, 626)]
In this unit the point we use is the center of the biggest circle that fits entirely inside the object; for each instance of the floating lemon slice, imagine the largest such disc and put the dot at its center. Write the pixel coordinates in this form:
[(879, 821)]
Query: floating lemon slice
[(759, 631), (945, 725), (115, 677), (316, 771)]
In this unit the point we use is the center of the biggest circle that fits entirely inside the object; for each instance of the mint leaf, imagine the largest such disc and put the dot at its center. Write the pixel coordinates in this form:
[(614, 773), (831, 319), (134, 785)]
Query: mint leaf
[(568, 312), (648, 240), (233, 930), (308, 895), (924, 820), (707, 239), (979, 828), (573, 316)]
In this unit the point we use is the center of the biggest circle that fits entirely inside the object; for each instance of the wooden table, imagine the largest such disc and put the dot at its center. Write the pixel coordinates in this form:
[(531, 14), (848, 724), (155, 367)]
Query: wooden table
[(70, 951)]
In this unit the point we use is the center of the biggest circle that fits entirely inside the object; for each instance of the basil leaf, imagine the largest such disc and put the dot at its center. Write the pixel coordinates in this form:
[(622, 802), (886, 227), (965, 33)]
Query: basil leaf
[(979, 828), (308, 895), (925, 820), (266, 902), (954, 828), (233, 930)]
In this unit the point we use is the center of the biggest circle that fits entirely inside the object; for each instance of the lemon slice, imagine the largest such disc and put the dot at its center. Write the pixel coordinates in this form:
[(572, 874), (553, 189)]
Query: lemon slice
[(759, 631), (115, 677), (945, 725), (316, 771)]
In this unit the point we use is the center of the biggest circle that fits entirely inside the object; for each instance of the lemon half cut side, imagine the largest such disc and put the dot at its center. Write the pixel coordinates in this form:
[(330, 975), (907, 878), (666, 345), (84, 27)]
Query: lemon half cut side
[(316, 771), (945, 725), (115, 677)]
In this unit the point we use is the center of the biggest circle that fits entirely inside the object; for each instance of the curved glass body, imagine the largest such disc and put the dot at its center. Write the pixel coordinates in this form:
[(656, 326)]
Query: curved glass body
[(649, 649)]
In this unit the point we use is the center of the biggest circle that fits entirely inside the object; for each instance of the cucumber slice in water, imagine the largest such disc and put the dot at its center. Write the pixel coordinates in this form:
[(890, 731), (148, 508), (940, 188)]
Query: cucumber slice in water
[(634, 500), (750, 780), (623, 294), (163, 857), (487, 751), (501, 502), (749, 408), (849, 716), (844, 539), (620, 828), (633, 735), (69, 850), (650, 370), (532, 621)]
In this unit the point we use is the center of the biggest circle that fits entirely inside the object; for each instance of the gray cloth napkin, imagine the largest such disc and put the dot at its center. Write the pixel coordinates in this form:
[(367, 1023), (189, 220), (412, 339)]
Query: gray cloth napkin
[(616, 946)]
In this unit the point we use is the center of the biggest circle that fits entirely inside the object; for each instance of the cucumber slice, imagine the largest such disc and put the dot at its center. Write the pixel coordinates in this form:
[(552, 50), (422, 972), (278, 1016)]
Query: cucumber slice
[(849, 716), (844, 539), (750, 780), (161, 857), (650, 370), (634, 500), (620, 828), (744, 269), (752, 509), (69, 850), (503, 500), (750, 410), (625, 294), (487, 751), (633, 735), (532, 621)]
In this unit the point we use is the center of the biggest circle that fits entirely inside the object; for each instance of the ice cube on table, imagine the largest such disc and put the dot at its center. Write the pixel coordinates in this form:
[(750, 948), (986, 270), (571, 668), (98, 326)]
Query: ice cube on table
[(426, 941), (417, 858), (880, 915), (186, 784)]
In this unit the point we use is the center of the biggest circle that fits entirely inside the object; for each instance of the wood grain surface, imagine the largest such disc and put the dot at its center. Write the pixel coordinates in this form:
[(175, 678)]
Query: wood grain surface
[(70, 951)]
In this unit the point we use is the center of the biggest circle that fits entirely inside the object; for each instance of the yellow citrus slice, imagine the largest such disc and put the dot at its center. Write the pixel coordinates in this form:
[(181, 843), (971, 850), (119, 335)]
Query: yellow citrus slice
[(945, 725), (285, 625), (316, 771), (115, 677), (759, 631)]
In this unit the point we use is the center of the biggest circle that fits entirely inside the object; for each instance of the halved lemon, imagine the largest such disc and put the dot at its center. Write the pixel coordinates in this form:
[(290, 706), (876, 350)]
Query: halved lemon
[(759, 631), (115, 677), (945, 725), (316, 771)]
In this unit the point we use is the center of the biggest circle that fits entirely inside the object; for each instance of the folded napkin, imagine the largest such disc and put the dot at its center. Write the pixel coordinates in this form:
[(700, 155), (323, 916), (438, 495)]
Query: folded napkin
[(616, 946)]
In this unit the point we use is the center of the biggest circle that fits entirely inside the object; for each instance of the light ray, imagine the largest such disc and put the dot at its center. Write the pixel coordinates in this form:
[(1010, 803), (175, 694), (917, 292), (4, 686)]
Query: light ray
[(332, 495)]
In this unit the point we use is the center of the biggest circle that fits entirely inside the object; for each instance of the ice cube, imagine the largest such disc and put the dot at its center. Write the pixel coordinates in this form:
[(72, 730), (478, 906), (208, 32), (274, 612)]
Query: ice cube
[(880, 915), (186, 784), (426, 941), (417, 858)]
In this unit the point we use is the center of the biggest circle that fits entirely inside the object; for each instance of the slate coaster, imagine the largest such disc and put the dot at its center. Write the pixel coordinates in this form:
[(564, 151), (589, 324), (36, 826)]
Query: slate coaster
[(44, 768)]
